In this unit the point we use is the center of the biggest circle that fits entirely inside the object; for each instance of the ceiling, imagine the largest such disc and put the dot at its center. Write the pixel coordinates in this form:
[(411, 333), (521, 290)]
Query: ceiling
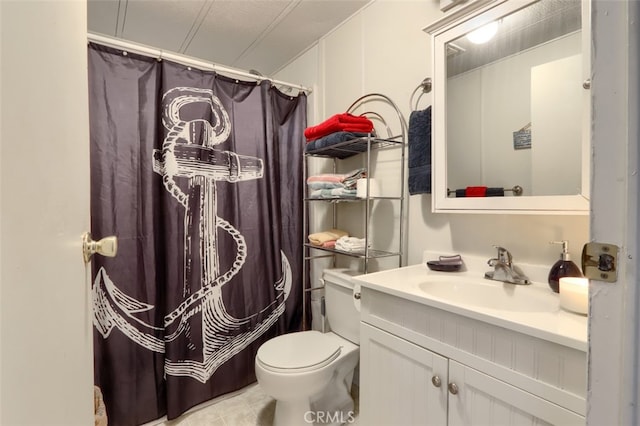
[(261, 35), (532, 26)]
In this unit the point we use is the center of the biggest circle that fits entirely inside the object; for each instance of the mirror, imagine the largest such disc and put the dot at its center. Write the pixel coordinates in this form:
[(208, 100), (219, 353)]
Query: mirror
[(510, 110)]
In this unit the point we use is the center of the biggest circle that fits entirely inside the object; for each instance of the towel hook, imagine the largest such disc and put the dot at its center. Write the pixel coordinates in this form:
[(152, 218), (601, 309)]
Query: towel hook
[(426, 86)]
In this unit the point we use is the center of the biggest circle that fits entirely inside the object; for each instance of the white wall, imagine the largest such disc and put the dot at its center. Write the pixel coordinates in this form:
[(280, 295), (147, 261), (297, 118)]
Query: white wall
[(46, 360), (1, 139), (464, 125), (555, 109), (383, 49)]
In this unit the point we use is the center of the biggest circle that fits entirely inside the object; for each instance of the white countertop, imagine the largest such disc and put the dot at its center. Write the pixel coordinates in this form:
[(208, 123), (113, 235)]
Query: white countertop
[(554, 324)]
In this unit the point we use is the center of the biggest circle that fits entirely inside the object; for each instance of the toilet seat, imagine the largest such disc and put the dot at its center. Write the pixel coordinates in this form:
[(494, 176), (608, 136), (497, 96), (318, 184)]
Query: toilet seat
[(298, 352)]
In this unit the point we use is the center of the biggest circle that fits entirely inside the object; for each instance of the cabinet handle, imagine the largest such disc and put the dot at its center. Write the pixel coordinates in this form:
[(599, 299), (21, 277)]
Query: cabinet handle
[(453, 388), (436, 381)]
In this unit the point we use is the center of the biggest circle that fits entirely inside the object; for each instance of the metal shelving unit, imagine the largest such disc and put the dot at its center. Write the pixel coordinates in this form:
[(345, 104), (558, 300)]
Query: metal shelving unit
[(358, 146)]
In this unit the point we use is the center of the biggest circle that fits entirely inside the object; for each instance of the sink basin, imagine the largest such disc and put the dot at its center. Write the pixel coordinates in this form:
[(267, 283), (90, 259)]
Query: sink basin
[(489, 294)]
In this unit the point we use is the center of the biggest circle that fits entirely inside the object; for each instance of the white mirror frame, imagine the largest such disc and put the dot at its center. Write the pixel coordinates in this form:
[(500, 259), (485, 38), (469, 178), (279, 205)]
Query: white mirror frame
[(451, 27)]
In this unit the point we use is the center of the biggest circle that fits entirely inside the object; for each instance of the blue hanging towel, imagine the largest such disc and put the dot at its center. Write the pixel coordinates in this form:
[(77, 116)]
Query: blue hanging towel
[(420, 152)]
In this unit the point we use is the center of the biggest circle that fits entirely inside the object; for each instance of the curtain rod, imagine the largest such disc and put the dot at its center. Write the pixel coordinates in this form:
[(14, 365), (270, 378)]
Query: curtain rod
[(184, 60)]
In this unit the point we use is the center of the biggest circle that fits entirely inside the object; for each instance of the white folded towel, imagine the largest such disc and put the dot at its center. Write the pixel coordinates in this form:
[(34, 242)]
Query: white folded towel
[(351, 244)]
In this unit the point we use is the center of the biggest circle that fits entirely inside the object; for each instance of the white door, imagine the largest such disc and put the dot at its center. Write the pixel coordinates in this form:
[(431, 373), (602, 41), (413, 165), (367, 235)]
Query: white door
[(46, 361), (479, 399), (614, 318), (397, 381)]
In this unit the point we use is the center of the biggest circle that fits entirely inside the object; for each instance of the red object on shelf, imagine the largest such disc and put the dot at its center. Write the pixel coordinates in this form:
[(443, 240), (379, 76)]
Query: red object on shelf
[(475, 191), (344, 122)]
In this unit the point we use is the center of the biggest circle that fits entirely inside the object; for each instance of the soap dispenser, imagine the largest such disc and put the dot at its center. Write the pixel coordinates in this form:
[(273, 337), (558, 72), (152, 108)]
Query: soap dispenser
[(563, 267)]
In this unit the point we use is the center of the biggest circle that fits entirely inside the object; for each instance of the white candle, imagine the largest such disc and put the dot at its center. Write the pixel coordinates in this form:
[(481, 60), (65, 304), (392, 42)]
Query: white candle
[(574, 294)]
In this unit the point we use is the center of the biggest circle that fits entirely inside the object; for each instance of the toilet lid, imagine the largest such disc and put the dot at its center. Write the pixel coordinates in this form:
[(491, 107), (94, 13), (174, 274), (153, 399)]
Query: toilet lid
[(300, 350)]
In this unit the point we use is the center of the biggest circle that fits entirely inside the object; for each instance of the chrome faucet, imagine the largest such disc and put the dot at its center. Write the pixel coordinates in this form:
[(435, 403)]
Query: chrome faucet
[(504, 269)]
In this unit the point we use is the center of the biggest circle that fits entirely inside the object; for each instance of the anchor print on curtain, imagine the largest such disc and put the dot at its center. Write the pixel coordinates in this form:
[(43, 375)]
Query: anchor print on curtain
[(199, 176)]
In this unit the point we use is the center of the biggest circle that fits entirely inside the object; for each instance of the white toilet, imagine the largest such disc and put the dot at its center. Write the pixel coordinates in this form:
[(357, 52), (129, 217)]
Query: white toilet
[(309, 373)]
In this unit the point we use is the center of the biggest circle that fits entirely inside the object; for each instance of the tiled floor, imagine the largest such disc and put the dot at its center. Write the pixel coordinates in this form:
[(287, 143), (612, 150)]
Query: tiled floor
[(248, 407)]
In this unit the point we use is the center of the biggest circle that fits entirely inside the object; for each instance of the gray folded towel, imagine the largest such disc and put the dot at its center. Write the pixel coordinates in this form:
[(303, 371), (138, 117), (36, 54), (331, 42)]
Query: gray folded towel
[(338, 140), (419, 142)]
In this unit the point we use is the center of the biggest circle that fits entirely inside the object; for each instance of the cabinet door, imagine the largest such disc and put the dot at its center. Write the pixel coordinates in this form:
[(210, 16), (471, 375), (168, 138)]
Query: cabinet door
[(396, 385), (483, 400)]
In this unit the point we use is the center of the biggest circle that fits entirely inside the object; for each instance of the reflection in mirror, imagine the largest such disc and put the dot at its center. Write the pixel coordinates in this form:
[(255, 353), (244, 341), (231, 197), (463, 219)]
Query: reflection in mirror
[(514, 102)]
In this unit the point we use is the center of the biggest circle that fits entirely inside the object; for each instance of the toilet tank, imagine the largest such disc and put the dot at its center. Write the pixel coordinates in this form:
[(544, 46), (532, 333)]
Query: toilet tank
[(341, 314)]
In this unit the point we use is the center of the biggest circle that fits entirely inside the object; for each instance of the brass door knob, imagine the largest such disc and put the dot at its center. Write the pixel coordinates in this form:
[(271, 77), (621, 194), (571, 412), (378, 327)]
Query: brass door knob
[(107, 246)]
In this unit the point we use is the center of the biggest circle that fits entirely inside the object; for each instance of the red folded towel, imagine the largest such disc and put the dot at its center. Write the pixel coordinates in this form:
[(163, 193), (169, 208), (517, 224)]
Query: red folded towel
[(344, 122), (475, 191)]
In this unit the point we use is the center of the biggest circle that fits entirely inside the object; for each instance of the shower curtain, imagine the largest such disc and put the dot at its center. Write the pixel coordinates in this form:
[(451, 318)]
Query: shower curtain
[(200, 178)]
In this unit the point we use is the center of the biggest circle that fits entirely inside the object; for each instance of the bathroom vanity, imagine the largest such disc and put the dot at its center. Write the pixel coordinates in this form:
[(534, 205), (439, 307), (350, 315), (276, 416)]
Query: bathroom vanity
[(456, 349)]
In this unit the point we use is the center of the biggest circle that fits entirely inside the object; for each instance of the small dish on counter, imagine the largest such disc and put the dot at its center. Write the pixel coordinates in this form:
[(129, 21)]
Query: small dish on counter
[(446, 263)]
